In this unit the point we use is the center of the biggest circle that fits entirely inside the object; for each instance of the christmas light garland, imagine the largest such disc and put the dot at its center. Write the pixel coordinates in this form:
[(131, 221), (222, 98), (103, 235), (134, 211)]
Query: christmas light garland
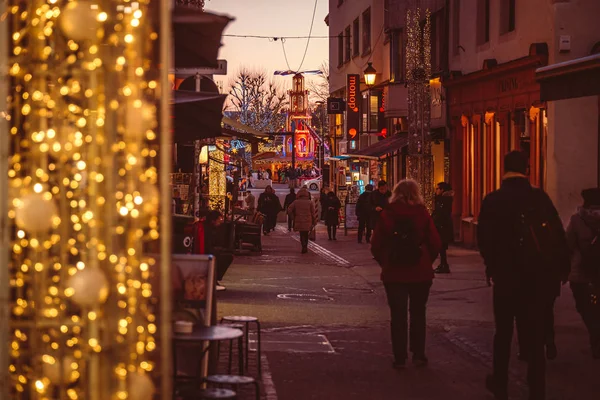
[(418, 74), (83, 199)]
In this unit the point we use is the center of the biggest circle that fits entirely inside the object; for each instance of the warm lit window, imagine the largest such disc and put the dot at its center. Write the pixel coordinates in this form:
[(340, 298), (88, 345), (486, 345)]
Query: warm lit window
[(483, 21), (348, 44), (340, 49), (356, 38), (507, 16), (366, 31)]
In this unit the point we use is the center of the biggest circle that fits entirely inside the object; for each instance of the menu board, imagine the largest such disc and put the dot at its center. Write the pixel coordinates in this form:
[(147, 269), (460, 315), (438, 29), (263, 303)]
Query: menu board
[(351, 220)]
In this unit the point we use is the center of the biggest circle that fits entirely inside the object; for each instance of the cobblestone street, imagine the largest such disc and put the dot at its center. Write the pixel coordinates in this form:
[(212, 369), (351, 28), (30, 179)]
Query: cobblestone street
[(326, 327)]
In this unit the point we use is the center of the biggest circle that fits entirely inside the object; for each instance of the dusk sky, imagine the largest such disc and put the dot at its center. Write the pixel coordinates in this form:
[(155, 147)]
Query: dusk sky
[(271, 18)]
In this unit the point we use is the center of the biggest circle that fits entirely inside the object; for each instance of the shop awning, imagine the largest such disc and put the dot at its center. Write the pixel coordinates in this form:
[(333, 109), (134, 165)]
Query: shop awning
[(185, 96), (197, 37), (244, 128), (381, 148), (197, 119), (570, 79), (246, 137)]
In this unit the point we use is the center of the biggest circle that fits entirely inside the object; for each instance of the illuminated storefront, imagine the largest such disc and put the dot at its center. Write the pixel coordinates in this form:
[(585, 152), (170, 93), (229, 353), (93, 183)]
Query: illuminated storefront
[(493, 111)]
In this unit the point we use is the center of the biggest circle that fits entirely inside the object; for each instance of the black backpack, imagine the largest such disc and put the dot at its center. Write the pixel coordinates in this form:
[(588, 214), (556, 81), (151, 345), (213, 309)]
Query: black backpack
[(590, 254), (405, 248)]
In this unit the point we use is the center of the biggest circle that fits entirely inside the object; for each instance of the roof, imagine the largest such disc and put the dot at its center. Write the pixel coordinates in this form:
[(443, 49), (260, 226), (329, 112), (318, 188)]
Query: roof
[(570, 79), (383, 147)]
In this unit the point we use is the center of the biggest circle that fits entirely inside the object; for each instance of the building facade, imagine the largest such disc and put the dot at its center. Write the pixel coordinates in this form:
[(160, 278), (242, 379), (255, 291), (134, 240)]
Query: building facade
[(372, 31), (495, 103)]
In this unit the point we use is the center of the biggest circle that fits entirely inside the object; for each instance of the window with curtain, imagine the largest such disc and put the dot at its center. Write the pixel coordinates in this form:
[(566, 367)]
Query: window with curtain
[(483, 21), (340, 49), (366, 17), (348, 44), (507, 16), (356, 37)]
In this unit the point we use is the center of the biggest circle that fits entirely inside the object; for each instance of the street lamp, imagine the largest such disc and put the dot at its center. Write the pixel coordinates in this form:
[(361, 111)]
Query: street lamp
[(370, 74)]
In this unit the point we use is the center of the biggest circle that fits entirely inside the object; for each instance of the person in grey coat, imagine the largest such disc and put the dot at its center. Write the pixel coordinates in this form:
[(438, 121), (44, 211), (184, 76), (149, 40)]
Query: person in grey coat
[(302, 210), (581, 231)]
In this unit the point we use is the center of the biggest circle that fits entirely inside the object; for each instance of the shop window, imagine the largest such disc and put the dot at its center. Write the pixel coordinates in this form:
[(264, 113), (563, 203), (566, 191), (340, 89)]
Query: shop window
[(483, 21), (497, 155), (507, 16), (340, 49), (373, 112), (348, 45), (521, 132), (356, 38), (366, 17), (471, 168)]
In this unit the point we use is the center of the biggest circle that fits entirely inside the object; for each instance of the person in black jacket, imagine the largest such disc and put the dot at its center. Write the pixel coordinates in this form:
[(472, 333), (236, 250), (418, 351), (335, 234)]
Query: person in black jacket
[(323, 201), (289, 199), (332, 220), (379, 200), (442, 218), (269, 205), (363, 214), (523, 244)]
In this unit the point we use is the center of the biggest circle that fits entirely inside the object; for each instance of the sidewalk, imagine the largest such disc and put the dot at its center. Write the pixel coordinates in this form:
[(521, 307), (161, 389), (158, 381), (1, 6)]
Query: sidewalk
[(355, 322)]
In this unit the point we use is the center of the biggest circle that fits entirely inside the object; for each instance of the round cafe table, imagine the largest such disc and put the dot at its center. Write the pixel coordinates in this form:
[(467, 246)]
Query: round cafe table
[(203, 334)]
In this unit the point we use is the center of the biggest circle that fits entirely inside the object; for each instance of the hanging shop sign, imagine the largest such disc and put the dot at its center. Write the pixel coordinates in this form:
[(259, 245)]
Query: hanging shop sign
[(352, 106)]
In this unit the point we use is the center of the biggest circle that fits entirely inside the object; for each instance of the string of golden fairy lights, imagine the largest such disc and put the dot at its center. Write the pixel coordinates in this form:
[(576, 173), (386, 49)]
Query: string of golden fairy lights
[(84, 199)]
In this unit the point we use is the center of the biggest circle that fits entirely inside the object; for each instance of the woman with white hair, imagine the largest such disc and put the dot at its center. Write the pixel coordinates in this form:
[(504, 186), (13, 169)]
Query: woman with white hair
[(405, 243)]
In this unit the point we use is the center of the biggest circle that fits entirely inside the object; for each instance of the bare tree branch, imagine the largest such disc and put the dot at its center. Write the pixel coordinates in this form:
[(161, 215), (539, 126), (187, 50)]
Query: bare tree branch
[(257, 102)]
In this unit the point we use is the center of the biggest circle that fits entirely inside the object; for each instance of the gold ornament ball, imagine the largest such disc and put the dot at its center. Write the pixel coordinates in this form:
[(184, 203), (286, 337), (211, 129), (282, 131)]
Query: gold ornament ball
[(35, 214), (140, 387), (139, 119), (51, 370), (151, 199), (90, 287), (79, 21)]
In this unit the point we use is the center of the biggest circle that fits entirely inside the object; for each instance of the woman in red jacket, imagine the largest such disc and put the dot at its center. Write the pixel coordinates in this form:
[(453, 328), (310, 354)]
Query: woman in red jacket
[(405, 243)]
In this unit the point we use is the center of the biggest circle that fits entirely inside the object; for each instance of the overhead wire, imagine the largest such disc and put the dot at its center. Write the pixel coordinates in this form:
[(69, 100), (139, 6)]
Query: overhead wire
[(312, 22), (285, 54)]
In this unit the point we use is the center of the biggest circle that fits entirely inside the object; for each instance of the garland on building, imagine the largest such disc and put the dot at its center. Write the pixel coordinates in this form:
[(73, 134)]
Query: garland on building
[(418, 74)]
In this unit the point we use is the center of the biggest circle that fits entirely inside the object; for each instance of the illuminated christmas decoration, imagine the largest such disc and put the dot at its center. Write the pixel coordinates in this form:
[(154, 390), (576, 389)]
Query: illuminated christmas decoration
[(217, 180), (82, 201), (418, 74), (299, 119)]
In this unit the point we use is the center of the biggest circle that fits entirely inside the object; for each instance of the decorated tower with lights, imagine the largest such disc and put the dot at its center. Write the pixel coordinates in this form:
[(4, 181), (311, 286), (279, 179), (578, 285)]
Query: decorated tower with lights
[(299, 121), (418, 74)]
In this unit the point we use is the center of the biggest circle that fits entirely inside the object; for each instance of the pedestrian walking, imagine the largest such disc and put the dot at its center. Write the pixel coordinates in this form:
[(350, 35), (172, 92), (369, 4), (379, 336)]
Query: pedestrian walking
[(442, 218), (323, 200), (302, 212), (583, 237), (523, 244), (405, 243), (332, 219), (289, 199), (269, 205), (363, 213), (379, 200)]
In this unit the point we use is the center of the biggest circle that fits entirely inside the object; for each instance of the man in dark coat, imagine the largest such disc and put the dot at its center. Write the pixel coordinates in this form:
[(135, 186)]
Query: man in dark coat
[(379, 200), (289, 199), (442, 218), (522, 241), (269, 205), (363, 212)]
